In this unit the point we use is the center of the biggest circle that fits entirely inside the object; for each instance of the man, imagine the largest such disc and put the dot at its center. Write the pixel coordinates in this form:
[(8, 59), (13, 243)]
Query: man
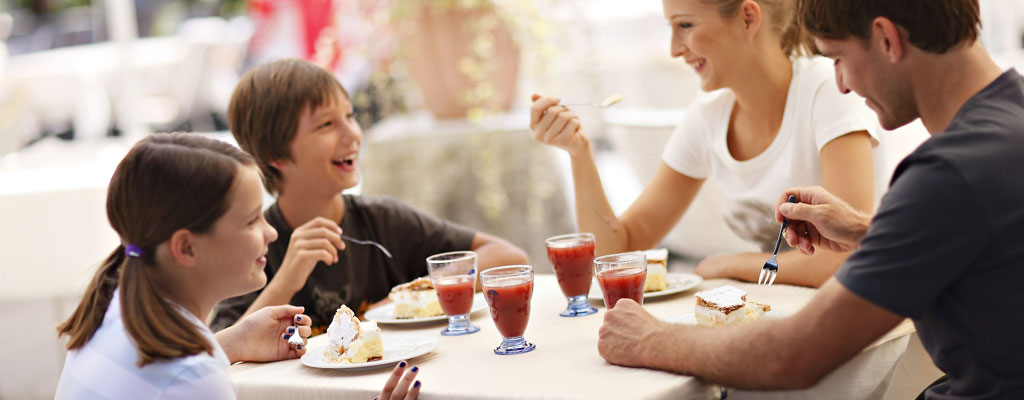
[(945, 249)]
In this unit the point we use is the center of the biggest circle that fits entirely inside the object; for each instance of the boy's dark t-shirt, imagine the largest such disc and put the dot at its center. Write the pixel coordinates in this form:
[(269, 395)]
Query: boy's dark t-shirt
[(946, 247), (363, 274)]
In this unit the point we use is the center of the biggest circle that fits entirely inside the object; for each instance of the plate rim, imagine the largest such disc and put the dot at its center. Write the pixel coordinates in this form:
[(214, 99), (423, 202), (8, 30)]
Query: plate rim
[(431, 342), (479, 304), (697, 280), (677, 319)]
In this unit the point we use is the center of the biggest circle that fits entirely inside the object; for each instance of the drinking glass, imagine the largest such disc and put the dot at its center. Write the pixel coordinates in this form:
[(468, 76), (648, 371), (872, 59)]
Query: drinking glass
[(572, 257), (621, 276), (454, 278), (508, 291)]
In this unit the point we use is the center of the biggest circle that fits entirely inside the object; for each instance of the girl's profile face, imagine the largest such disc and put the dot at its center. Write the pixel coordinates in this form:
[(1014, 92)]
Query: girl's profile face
[(709, 44), (234, 252)]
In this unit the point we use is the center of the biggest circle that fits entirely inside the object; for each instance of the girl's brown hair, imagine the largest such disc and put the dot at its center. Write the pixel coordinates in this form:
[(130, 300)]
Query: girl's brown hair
[(166, 182), (782, 17)]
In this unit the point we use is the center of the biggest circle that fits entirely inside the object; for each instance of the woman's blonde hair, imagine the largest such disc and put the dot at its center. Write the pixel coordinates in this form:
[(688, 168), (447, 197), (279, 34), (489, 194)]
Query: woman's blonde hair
[(782, 18), (166, 182)]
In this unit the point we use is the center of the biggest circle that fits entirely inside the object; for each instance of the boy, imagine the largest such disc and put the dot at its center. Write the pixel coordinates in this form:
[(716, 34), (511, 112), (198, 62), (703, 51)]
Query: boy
[(297, 121)]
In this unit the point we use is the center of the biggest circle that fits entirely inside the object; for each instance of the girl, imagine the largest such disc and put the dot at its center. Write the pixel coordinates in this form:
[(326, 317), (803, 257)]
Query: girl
[(779, 121), (188, 210)]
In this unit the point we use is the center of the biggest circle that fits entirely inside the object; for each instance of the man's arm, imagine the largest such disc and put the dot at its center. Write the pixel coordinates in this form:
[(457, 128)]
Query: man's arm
[(789, 353)]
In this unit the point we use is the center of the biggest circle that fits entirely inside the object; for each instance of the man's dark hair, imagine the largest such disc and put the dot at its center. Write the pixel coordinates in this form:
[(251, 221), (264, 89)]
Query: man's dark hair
[(931, 25)]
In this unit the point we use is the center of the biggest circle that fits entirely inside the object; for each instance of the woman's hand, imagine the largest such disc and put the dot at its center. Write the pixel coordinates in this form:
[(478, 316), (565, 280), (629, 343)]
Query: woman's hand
[(263, 335), (399, 387), (557, 125), (714, 266), (318, 240)]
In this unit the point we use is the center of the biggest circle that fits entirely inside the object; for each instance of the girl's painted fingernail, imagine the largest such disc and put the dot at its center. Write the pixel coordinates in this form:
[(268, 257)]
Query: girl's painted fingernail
[(416, 385), (291, 330), (401, 364), (286, 337), (298, 318), (416, 369), (299, 347)]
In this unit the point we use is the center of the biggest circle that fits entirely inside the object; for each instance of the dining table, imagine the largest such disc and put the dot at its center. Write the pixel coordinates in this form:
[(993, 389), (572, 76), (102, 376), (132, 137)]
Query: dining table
[(566, 363)]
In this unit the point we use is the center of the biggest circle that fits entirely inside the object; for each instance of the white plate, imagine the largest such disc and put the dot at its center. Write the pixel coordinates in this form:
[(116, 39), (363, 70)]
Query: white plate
[(677, 282), (383, 315), (397, 347), (691, 318)]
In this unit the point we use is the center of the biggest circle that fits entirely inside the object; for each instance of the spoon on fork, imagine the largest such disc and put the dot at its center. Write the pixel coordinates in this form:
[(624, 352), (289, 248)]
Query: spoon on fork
[(771, 267), (608, 102)]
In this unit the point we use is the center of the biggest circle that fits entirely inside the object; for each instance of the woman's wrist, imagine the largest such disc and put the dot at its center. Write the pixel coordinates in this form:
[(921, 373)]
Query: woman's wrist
[(228, 343)]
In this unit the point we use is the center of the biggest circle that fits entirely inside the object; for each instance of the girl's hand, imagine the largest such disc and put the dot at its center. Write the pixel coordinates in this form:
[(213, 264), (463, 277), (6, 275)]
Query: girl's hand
[(399, 387), (263, 335)]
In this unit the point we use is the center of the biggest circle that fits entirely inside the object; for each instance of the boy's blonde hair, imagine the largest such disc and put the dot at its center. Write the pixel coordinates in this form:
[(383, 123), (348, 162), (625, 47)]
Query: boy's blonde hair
[(267, 104)]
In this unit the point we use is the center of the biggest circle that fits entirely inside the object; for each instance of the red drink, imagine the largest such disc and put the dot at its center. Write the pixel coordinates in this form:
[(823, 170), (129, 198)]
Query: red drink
[(509, 299), (574, 267), (455, 293), (622, 283)]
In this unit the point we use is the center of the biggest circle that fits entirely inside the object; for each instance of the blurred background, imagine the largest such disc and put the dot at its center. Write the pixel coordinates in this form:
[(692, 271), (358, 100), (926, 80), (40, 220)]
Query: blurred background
[(440, 87)]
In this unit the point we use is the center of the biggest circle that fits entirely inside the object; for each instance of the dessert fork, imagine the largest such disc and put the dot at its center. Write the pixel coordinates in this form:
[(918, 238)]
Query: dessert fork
[(608, 102), (771, 267), (370, 243)]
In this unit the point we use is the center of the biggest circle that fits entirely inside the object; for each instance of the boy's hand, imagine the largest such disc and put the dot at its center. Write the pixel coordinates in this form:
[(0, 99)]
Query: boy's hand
[(557, 125), (315, 241)]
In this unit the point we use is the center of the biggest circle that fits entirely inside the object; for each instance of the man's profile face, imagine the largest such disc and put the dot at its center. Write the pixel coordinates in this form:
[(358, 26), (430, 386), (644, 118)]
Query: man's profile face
[(862, 66)]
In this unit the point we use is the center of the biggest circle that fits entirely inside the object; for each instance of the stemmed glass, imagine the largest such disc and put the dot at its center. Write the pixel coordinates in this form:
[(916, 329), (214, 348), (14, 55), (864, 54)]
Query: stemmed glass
[(454, 278), (508, 291), (572, 257), (621, 276)]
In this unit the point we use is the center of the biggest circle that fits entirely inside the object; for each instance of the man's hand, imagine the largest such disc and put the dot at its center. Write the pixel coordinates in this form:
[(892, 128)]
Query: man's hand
[(263, 335), (821, 220), (315, 241), (624, 327)]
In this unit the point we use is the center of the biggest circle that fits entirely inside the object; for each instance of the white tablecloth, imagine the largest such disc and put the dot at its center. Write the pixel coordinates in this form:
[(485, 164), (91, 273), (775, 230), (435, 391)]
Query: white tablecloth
[(565, 364)]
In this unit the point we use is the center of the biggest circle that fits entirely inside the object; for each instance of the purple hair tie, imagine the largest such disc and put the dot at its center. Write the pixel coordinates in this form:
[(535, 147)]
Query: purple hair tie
[(132, 250)]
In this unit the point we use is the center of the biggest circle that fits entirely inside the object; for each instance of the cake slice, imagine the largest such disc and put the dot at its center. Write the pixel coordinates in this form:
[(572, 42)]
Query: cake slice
[(721, 306), (657, 267), (416, 299), (756, 311), (353, 342)]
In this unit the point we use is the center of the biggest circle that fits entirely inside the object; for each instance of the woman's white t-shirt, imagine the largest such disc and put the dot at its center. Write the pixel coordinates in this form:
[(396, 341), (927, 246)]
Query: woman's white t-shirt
[(107, 367), (815, 113)]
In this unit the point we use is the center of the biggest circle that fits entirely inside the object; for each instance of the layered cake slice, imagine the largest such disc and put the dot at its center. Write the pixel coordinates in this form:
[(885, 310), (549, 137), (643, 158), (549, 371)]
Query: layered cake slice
[(721, 306), (353, 342), (416, 299), (725, 306), (657, 267)]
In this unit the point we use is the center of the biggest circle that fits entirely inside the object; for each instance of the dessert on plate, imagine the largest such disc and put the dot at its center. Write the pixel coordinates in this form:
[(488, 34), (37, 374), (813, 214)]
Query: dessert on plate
[(353, 342), (657, 267), (416, 299), (725, 306)]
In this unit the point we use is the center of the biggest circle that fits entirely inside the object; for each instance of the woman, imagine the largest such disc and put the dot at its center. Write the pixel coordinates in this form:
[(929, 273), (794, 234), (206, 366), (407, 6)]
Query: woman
[(188, 211), (779, 121)]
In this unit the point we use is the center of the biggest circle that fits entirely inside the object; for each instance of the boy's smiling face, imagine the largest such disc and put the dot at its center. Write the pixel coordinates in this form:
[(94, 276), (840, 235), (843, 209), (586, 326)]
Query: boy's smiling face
[(325, 151)]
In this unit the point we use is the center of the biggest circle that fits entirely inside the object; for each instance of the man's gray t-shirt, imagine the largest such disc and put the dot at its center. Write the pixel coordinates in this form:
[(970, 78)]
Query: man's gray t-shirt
[(946, 247)]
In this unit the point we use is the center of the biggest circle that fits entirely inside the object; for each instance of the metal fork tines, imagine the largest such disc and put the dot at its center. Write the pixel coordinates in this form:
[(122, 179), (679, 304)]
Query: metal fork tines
[(370, 243), (771, 267)]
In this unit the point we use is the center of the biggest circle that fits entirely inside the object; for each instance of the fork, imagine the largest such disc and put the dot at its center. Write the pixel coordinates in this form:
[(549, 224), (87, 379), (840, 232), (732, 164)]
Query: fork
[(370, 243), (608, 102), (771, 267)]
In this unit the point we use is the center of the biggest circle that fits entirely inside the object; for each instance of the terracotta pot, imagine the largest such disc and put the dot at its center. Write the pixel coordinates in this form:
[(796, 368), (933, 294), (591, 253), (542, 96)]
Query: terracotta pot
[(435, 40)]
